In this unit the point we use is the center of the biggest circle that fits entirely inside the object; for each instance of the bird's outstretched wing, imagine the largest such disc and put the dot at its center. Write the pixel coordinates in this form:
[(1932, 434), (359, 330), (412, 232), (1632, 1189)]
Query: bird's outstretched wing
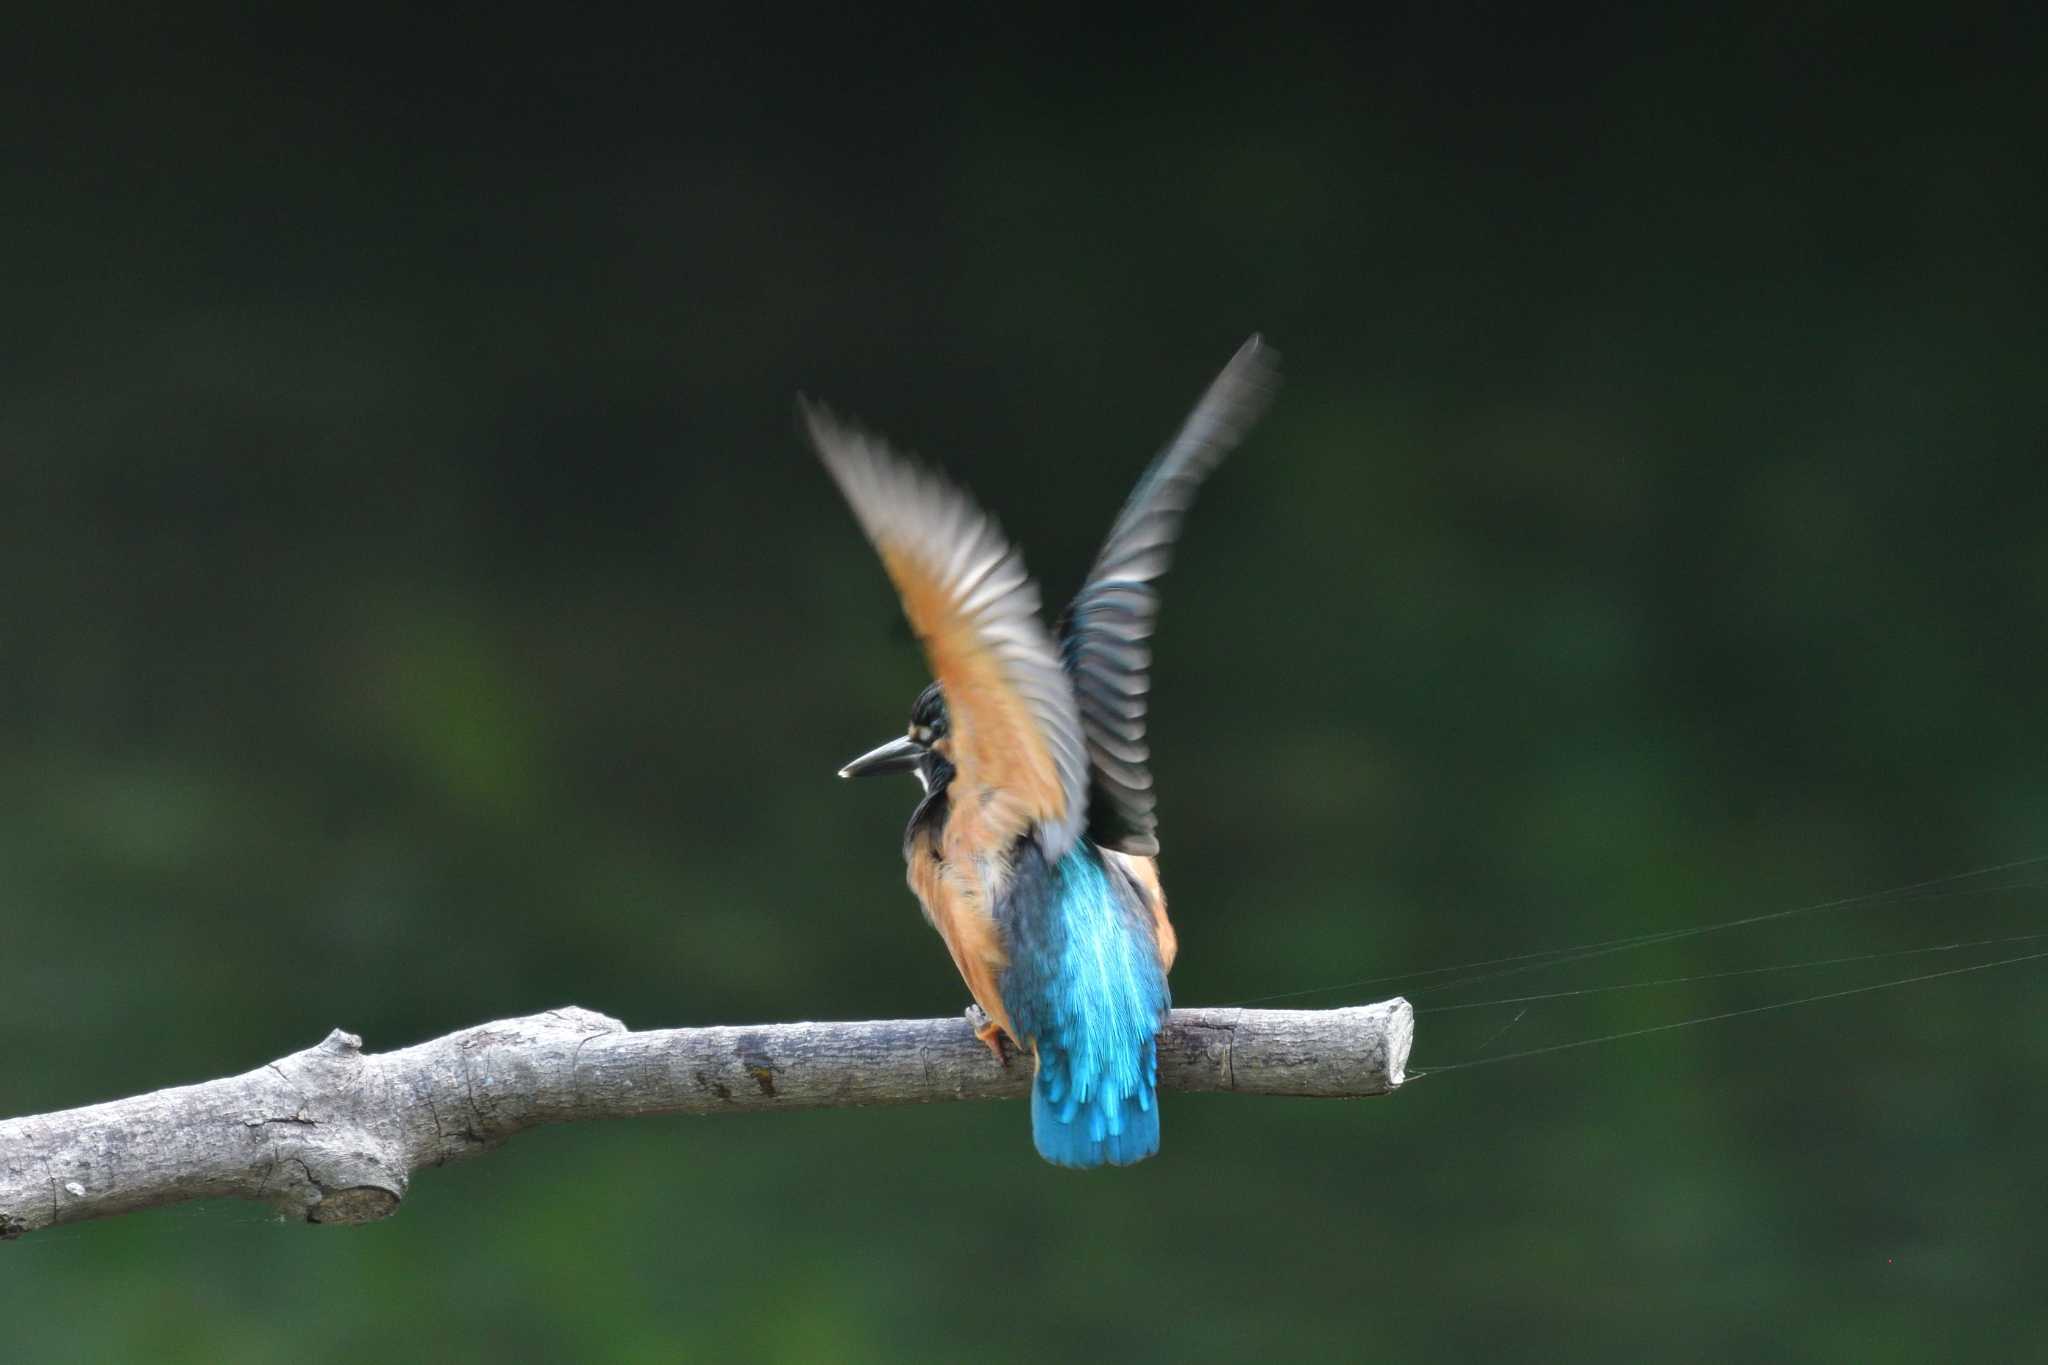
[(1016, 740), (1105, 633)]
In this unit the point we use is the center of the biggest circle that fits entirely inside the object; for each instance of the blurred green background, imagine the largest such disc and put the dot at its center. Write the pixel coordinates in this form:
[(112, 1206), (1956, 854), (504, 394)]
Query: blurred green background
[(420, 610)]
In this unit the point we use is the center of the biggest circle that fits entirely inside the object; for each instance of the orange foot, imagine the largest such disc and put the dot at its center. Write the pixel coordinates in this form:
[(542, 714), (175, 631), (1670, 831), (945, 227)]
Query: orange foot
[(991, 1035)]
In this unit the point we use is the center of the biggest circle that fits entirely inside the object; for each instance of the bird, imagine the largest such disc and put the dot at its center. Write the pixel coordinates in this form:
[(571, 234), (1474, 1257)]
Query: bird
[(1033, 847)]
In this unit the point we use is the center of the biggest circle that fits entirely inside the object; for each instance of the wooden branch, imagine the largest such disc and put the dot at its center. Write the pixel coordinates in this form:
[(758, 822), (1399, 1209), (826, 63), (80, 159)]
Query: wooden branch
[(333, 1134)]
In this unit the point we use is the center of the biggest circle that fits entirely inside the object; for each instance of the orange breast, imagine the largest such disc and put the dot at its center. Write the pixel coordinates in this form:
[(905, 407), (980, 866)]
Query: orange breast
[(958, 893)]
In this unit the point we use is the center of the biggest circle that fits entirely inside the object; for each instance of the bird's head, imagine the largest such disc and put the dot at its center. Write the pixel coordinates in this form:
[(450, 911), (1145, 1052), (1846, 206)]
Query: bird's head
[(923, 751)]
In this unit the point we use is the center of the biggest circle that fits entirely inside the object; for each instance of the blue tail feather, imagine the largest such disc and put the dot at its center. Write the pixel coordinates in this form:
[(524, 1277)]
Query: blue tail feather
[(1089, 990), (1071, 1128)]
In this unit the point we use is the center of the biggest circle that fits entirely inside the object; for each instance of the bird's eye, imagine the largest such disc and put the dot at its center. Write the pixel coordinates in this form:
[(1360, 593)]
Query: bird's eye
[(921, 733)]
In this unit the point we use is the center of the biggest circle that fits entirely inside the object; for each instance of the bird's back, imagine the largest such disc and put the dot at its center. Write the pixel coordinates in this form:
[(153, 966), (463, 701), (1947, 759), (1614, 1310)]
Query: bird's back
[(1087, 981)]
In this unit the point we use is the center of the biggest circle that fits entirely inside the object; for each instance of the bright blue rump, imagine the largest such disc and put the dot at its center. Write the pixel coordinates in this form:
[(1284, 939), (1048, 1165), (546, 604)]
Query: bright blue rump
[(1093, 993)]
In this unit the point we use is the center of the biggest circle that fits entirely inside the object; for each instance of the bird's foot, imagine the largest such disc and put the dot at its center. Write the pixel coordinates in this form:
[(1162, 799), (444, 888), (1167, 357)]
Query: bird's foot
[(990, 1033)]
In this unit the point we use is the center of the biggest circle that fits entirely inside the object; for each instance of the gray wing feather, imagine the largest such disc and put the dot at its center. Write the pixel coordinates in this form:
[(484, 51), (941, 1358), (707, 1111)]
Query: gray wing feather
[(1104, 633)]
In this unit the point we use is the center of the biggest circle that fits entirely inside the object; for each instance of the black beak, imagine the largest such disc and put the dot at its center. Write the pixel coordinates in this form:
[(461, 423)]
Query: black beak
[(897, 756)]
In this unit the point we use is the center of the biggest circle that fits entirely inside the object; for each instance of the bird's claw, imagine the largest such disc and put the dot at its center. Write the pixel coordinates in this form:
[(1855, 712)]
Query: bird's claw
[(990, 1033)]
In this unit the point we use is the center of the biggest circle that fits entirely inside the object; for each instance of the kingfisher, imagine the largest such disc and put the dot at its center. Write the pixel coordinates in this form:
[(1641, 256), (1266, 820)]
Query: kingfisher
[(1033, 848)]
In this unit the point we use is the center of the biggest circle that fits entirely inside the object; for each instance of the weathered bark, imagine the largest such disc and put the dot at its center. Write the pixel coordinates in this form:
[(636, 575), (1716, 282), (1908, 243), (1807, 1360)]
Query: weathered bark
[(333, 1134)]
